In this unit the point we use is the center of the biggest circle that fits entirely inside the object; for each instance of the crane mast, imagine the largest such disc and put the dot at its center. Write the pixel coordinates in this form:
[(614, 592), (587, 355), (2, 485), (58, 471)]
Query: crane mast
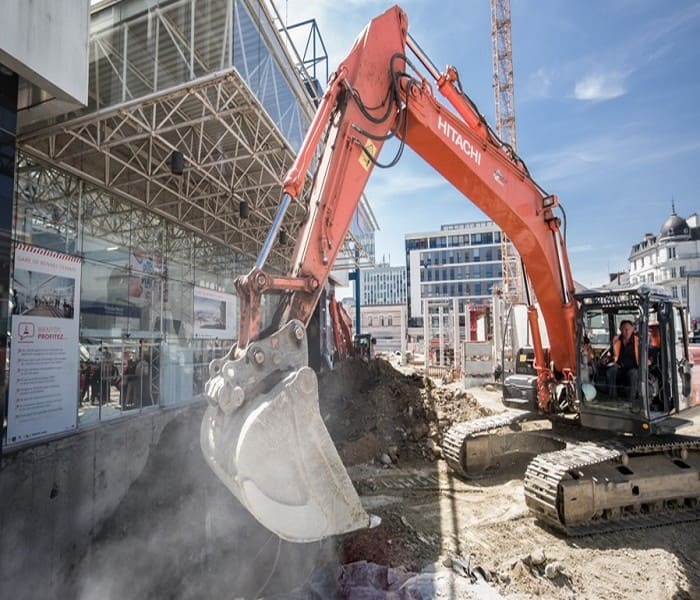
[(503, 91)]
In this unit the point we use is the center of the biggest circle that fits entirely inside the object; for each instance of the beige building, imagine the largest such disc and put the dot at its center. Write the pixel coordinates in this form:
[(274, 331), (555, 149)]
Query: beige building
[(383, 322)]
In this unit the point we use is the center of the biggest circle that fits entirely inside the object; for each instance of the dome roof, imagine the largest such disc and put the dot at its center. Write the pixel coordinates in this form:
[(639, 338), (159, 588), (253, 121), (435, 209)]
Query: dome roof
[(675, 227)]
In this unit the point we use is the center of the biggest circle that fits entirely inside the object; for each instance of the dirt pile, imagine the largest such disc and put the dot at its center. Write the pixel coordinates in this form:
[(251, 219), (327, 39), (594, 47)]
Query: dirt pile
[(375, 413)]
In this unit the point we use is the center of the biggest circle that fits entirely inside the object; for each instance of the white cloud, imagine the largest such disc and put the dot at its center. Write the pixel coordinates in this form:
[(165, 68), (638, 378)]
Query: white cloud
[(388, 186), (565, 163), (537, 85), (585, 248), (588, 155), (600, 86)]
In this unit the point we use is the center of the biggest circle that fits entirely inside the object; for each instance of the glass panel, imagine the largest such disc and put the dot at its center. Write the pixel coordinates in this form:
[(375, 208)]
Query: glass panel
[(173, 54), (204, 351), (216, 267), (141, 50), (176, 371), (100, 383), (178, 311), (178, 252), (108, 68), (146, 374), (262, 73), (212, 28), (104, 301), (106, 228), (129, 388), (145, 302), (47, 208)]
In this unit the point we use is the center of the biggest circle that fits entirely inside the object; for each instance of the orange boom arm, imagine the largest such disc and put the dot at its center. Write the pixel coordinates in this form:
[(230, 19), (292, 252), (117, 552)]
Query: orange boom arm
[(372, 97)]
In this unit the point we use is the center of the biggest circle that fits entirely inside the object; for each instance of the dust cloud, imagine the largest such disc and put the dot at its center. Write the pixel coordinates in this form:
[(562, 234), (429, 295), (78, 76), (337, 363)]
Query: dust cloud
[(179, 533)]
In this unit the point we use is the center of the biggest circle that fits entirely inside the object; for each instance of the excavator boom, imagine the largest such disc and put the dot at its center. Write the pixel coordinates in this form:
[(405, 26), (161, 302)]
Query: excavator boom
[(262, 433)]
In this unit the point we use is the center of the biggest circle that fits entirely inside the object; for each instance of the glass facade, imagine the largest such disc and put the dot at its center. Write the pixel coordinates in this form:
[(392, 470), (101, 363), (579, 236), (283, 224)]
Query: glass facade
[(136, 51), (138, 342), (462, 261), (383, 285), (126, 268)]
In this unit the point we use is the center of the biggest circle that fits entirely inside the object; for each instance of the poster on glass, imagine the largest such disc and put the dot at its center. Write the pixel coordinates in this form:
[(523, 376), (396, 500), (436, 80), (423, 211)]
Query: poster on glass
[(44, 357)]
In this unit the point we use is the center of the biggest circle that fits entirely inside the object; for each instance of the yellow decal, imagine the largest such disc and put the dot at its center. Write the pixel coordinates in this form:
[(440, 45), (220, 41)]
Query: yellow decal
[(364, 159)]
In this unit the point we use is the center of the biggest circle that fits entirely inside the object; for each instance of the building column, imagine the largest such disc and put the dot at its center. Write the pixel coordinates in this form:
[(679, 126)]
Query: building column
[(457, 349), (441, 337), (404, 328), (8, 133), (426, 331)]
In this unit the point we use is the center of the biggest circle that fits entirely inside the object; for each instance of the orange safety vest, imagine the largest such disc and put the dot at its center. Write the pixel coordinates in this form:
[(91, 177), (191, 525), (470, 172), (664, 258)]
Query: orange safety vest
[(617, 345)]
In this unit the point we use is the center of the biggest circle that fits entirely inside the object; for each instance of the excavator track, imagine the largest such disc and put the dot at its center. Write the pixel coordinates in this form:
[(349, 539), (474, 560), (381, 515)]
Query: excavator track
[(591, 488), (467, 450)]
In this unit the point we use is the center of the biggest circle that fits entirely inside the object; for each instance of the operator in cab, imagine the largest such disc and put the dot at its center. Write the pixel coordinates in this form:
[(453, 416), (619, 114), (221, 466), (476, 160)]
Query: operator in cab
[(624, 368), (654, 362)]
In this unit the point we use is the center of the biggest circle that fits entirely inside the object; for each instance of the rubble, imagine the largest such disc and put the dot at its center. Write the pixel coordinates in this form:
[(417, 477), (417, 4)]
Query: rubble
[(374, 412), (537, 557)]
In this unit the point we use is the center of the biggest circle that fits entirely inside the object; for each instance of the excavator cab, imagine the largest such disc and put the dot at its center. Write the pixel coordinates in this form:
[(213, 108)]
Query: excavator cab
[(635, 392)]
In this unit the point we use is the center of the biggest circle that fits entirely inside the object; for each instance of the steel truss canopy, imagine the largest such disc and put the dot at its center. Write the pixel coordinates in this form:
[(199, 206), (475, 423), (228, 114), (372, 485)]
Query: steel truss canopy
[(211, 80)]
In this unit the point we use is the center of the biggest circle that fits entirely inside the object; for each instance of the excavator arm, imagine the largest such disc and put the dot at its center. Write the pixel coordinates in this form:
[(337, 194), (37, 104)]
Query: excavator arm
[(262, 433)]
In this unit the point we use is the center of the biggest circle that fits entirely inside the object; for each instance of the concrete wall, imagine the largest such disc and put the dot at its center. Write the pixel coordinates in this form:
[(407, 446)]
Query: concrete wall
[(130, 510), (46, 43), (53, 497), (477, 359)]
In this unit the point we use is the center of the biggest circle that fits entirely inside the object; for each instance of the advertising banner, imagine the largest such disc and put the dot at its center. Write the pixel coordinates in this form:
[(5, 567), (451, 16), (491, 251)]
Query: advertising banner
[(44, 353), (130, 289), (214, 314)]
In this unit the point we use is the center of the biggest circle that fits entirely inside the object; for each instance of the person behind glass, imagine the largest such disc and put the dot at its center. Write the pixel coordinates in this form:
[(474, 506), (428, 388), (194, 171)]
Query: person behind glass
[(129, 390), (625, 362), (84, 381), (654, 343), (93, 378), (588, 360), (106, 375)]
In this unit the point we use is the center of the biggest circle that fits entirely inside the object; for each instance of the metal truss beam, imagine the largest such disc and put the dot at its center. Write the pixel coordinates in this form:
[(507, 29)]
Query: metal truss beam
[(233, 152)]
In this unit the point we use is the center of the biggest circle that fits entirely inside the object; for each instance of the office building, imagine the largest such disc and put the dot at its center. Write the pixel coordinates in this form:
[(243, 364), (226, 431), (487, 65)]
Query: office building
[(143, 144), (462, 261)]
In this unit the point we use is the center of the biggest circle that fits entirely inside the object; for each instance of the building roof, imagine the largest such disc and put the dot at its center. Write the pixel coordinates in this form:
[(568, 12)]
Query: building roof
[(210, 82), (674, 227)]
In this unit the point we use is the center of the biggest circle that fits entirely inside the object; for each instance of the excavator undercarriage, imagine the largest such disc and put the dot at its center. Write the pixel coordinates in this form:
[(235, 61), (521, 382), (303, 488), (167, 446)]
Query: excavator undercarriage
[(583, 481)]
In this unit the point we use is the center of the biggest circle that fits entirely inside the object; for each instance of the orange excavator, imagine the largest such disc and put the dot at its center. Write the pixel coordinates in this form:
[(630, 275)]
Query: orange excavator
[(611, 457), (341, 325)]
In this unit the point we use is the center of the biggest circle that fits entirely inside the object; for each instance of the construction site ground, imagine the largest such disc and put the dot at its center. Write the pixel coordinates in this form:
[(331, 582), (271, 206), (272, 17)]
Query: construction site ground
[(389, 433), (179, 533)]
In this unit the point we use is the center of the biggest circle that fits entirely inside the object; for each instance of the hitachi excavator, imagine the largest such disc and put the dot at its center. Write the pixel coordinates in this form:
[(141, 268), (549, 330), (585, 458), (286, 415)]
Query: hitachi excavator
[(611, 457)]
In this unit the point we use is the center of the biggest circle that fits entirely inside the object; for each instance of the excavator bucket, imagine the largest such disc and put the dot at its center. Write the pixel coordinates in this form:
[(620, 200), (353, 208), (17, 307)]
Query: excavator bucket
[(263, 436)]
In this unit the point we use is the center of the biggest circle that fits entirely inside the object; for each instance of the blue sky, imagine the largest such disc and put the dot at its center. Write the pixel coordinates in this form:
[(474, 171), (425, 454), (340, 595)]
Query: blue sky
[(607, 102)]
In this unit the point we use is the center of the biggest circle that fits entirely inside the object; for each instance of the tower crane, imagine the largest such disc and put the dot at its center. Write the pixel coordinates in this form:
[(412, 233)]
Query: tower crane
[(502, 54)]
